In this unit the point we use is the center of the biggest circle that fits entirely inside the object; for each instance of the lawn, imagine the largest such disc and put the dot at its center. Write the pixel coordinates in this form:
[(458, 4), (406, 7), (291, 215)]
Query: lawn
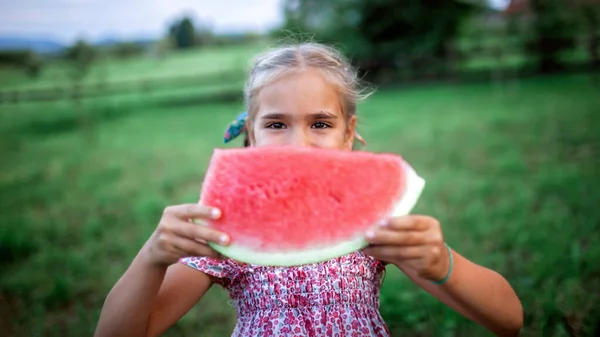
[(174, 64), (512, 176)]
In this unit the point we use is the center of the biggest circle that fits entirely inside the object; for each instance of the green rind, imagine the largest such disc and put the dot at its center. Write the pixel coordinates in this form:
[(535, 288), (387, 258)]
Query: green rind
[(294, 258), (414, 188)]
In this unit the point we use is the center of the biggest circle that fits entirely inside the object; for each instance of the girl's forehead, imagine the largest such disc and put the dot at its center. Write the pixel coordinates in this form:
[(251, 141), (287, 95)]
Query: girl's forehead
[(300, 92)]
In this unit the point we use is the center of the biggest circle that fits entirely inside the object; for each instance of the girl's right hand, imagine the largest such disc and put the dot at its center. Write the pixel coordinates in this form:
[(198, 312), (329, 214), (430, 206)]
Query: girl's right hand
[(177, 236)]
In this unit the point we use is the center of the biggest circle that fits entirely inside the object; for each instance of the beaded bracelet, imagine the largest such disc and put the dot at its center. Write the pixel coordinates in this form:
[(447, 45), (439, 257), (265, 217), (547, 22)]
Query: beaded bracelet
[(449, 269)]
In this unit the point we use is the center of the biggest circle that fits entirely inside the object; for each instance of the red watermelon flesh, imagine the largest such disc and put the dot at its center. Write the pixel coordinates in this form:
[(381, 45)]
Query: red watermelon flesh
[(295, 205)]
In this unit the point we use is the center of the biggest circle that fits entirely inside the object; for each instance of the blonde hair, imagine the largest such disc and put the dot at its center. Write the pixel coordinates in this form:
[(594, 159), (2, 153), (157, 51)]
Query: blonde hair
[(278, 62)]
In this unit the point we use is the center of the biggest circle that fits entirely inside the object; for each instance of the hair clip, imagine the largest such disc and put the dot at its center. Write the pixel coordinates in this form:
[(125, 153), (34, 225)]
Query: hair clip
[(236, 127)]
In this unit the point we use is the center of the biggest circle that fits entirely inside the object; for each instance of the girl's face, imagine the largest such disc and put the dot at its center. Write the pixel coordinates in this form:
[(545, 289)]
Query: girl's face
[(301, 109)]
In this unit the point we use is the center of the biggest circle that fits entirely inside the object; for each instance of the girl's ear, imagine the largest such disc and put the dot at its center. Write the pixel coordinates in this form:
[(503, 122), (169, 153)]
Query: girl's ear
[(350, 132), (249, 140)]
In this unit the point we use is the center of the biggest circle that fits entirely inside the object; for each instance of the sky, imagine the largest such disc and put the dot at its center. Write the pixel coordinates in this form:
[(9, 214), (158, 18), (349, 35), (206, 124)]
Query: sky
[(498, 4), (67, 20)]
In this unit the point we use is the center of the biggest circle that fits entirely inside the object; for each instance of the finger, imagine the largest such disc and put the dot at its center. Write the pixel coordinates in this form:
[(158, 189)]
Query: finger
[(388, 253), (208, 234), (201, 241), (381, 252), (409, 222), (397, 238), (188, 247), (192, 211), (397, 253), (198, 232)]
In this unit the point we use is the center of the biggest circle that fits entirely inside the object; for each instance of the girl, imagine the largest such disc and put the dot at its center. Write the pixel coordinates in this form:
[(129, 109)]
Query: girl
[(304, 95)]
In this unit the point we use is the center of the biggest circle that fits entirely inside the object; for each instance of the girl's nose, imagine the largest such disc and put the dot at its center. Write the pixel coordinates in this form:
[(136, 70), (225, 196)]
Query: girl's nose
[(300, 138)]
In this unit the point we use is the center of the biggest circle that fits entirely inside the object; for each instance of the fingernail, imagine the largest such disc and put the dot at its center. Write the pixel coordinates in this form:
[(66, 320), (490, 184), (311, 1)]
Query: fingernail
[(215, 213), (223, 238), (383, 222), (370, 234)]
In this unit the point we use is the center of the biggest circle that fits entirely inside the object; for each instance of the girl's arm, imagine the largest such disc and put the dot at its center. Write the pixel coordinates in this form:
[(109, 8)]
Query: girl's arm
[(415, 244), (478, 293), (148, 299), (156, 290), (182, 288)]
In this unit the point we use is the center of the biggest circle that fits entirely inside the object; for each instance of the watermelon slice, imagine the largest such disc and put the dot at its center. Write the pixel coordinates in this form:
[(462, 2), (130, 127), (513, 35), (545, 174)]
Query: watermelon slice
[(287, 206)]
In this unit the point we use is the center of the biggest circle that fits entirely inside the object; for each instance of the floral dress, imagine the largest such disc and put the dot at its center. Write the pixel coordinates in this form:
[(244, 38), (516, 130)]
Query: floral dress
[(339, 297)]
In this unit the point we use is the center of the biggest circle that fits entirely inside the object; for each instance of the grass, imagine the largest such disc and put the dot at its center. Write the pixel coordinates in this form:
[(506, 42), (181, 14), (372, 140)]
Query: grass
[(216, 60), (512, 175), (182, 63)]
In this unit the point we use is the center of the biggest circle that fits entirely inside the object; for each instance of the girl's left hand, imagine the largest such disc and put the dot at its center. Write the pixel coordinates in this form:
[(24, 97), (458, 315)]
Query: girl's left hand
[(415, 241)]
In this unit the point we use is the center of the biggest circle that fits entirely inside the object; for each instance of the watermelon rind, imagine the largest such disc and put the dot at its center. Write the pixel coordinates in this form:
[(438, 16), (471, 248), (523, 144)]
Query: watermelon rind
[(414, 187)]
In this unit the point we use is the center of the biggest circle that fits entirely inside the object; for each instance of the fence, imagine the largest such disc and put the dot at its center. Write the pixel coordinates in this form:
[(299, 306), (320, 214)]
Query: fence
[(103, 88), (483, 56)]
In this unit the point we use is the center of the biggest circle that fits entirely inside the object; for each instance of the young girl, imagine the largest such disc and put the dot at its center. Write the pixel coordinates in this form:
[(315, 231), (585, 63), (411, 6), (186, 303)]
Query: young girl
[(303, 95)]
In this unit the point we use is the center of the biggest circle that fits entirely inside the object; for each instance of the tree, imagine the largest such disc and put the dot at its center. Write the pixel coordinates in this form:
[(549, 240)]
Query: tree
[(81, 56), (590, 12), (33, 64), (550, 33), (376, 34), (28, 60), (183, 33)]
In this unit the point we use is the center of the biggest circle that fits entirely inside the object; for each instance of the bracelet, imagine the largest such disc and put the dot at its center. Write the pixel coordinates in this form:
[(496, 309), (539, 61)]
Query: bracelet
[(449, 269)]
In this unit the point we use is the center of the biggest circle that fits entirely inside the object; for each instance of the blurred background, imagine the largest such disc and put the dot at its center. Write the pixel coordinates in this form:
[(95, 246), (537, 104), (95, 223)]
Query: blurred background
[(109, 111)]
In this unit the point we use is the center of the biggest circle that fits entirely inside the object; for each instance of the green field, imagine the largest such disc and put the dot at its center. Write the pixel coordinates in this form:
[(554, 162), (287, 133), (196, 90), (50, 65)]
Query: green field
[(181, 63), (512, 175)]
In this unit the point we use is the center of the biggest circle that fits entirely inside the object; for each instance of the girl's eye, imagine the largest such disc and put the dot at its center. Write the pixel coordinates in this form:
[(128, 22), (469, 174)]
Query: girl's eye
[(276, 126), (320, 125)]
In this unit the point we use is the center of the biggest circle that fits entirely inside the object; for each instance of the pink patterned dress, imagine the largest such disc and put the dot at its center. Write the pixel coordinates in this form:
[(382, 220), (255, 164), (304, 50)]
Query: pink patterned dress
[(339, 297)]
